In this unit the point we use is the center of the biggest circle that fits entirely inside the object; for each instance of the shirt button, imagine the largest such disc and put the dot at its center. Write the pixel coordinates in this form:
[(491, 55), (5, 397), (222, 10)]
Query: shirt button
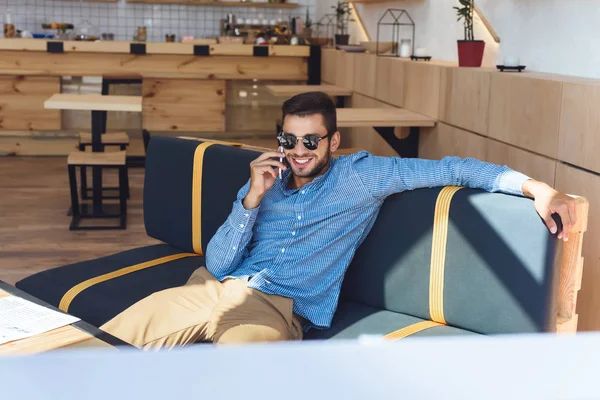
[(234, 247), (302, 192), (241, 225), (246, 215), (299, 216), (294, 233), (283, 250)]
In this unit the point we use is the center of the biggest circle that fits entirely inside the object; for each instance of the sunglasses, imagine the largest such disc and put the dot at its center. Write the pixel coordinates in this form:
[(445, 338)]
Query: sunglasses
[(288, 141)]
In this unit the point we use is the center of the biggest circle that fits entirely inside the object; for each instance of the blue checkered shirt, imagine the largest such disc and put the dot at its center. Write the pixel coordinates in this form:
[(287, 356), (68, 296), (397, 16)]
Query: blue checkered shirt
[(299, 242)]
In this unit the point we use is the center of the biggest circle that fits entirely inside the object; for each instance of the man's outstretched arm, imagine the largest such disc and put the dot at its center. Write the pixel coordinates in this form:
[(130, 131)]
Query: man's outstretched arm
[(384, 176)]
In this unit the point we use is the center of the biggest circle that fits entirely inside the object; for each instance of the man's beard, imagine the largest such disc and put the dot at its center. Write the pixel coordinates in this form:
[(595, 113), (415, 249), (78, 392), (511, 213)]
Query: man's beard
[(317, 169)]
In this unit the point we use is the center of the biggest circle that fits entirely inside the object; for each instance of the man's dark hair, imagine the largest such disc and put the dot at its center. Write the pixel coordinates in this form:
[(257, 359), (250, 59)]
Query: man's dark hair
[(312, 103)]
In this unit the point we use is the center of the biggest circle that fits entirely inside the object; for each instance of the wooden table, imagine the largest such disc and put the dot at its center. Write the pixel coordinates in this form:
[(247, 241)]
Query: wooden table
[(384, 121), (292, 90), (98, 105), (77, 335)]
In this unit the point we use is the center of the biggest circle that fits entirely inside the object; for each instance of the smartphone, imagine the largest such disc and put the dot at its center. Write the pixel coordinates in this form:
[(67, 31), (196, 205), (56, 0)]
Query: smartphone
[(280, 149)]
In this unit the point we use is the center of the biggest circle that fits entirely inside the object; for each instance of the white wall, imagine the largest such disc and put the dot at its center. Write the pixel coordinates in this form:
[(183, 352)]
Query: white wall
[(554, 36)]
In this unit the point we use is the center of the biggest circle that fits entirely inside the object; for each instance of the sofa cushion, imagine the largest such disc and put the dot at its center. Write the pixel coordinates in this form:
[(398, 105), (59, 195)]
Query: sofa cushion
[(168, 189), (352, 320), (499, 268), (102, 301)]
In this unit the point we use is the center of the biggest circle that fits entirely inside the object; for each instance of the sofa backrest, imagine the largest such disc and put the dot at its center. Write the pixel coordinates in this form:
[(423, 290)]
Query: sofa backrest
[(499, 271), (189, 189)]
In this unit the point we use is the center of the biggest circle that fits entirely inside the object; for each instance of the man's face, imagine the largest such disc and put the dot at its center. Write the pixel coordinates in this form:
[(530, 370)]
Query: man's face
[(303, 162)]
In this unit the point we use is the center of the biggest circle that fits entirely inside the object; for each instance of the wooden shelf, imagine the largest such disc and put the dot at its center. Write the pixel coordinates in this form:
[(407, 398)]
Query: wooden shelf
[(218, 3)]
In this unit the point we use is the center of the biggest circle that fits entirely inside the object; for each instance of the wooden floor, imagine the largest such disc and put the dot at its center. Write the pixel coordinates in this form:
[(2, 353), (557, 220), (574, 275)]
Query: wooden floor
[(34, 234)]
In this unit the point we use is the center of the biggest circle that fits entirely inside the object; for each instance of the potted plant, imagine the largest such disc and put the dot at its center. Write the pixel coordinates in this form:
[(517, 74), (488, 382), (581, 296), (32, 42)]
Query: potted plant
[(470, 51), (307, 26), (342, 12)]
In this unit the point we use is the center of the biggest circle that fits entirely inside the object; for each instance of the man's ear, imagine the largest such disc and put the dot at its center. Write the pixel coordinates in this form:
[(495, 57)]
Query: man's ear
[(334, 142)]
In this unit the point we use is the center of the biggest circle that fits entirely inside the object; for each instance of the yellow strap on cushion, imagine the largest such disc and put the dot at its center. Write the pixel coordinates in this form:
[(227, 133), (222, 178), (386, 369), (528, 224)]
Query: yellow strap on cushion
[(438, 253), (411, 330), (66, 300), (197, 197)]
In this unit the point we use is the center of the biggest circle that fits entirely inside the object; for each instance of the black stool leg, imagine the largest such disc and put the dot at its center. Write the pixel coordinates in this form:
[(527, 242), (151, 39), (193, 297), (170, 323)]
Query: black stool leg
[(105, 92), (124, 147), (83, 178), (74, 197), (123, 195)]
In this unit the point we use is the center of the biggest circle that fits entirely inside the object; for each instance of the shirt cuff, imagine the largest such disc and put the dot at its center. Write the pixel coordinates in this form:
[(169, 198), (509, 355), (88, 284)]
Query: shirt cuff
[(242, 220), (511, 182)]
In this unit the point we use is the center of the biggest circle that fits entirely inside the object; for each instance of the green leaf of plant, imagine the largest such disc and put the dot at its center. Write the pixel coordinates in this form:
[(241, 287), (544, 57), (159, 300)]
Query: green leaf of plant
[(466, 3)]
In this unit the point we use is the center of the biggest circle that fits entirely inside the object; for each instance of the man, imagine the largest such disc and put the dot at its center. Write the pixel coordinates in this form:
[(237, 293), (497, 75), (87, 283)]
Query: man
[(275, 267)]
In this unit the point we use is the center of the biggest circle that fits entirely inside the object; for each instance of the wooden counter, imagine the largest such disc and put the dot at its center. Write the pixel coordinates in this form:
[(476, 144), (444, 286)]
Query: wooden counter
[(183, 84), (122, 47)]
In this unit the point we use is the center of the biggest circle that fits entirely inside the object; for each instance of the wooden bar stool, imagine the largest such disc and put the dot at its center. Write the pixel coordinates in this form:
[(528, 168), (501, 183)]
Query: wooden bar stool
[(120, 139), (84, 159)]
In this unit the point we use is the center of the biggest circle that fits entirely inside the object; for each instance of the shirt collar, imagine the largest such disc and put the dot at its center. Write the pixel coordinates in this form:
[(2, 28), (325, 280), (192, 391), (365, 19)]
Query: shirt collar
[(318, 181)]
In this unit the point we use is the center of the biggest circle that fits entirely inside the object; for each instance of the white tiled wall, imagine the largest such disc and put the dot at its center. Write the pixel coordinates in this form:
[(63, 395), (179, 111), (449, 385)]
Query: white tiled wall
[(122, 19)]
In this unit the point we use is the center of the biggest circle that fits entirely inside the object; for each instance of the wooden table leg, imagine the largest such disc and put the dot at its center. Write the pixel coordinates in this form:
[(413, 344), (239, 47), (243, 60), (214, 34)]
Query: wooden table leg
[(407, 147)]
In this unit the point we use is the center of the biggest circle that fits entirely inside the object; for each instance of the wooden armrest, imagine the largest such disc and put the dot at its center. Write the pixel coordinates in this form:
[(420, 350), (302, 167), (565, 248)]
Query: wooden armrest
[(571, 271)]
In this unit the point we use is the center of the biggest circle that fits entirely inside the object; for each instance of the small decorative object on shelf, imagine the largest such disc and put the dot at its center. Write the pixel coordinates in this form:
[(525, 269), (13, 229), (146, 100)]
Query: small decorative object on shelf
[(307, 31), (420, 54), (470, 51), (325, 30), (517, 68), (9, 26), (402, 33), (343, 13)]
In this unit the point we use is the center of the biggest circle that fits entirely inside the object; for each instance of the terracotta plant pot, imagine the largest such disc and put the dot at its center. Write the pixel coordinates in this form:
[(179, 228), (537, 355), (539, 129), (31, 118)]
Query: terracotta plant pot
[(342, 40), (470, 53)]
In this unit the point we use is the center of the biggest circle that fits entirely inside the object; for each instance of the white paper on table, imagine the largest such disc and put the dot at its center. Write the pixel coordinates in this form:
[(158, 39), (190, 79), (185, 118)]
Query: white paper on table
[(20, 318)]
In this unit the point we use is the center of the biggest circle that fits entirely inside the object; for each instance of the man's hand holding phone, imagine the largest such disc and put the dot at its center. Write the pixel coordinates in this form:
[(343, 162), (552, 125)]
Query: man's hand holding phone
[(263, 177)]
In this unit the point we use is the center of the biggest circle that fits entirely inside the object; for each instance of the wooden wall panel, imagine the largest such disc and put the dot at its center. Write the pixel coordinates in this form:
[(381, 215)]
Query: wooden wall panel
[(22, 103), (184, 105), (328, 65), (533, 165), (365, 74), (525, 112), (422, 88), (445, 140), (390, 81), (464, 98), (579, 135), (345, 70), (573, 181)]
